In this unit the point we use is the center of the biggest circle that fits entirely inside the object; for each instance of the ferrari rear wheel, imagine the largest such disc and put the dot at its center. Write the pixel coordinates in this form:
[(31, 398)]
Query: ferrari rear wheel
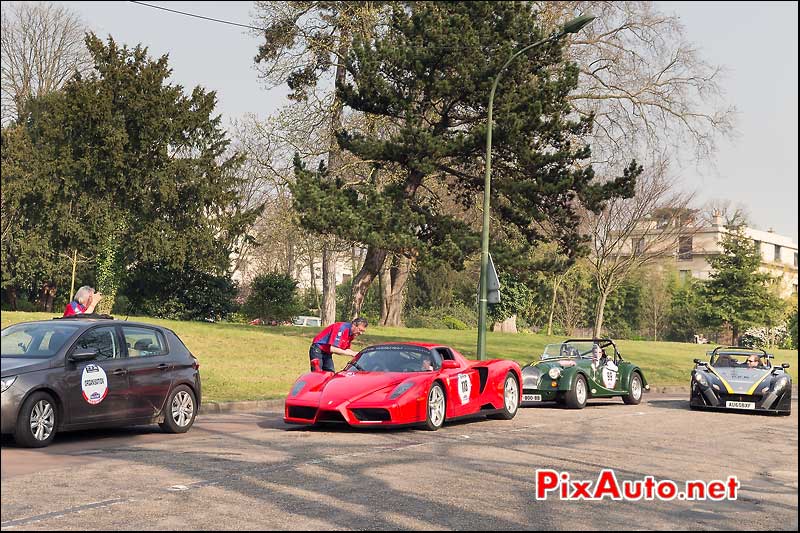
[(510, 398), (577, 396), (435, 408)]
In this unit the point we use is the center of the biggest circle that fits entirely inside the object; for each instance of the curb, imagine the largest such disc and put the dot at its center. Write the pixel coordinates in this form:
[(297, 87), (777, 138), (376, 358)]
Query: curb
[(240, 407)]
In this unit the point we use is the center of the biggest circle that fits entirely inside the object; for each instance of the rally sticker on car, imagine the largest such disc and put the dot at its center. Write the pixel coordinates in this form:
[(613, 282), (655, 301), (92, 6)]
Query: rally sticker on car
[(94, 384), (610, 372), (464, 387)]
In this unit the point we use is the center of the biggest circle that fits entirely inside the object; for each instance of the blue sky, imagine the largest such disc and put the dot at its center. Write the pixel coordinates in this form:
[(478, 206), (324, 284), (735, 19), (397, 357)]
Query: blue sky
[(756, 42)]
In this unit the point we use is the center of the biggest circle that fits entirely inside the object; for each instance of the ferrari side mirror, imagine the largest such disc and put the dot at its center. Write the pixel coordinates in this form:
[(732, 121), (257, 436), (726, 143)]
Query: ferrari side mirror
[(449, 364)]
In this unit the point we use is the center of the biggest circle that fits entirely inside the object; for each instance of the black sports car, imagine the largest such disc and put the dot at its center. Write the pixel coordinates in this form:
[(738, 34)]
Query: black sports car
[(738, 378)]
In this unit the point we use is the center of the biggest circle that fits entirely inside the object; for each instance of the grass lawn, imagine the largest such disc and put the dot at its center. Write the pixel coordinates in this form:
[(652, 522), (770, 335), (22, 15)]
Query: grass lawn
[(242, 362)]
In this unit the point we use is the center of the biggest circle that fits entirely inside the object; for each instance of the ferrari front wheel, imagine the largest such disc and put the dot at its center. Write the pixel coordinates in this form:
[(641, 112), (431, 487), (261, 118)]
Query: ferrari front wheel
[(434, 417)]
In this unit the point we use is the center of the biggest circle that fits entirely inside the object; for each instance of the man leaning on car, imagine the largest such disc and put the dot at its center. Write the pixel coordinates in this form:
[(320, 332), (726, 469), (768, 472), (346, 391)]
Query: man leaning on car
[(335, 339)]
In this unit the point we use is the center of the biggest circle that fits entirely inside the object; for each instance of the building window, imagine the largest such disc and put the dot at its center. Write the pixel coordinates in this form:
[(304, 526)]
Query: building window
[(777, 253), (346, 277), (757, 246), (683, 275), (684, 248), (795, 259), (637, 244)]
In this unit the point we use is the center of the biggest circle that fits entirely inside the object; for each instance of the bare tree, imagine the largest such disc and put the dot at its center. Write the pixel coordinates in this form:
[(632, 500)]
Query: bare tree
[(305, 44), (648, 87), (656, 302), (631, 233), (42, 47)]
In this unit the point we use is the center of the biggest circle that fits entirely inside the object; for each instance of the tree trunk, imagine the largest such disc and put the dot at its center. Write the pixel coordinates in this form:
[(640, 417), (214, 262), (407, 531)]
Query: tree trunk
[(12, 297), (598, 320), (328, 311), (46, 297), (399, 273), (509, 325), (290, 259), (556, 282), (385, 280), (371, 268), (328, 314)]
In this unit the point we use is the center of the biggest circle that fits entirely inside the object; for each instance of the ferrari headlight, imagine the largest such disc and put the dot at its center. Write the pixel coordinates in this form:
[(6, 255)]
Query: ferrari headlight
[(701, 379), (7, 382), (780, 383), (400, 389), (554, 373), (297, 388)]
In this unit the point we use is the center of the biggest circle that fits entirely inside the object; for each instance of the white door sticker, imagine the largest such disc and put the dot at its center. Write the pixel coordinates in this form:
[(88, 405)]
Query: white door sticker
[(610, 375), (464, 387), (94, 384)]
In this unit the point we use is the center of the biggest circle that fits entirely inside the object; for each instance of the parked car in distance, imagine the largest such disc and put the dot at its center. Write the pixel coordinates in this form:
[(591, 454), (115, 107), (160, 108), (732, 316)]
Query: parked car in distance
[(575, 370), (307, 321), (85, 372), (741, 379)]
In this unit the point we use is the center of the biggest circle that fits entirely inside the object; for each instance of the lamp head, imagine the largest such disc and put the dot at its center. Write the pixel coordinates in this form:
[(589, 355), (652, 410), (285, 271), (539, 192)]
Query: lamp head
[(575, 25)]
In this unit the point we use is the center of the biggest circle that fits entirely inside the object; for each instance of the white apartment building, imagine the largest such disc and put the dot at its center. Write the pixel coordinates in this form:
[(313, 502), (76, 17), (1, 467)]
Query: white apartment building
[(778, 253)]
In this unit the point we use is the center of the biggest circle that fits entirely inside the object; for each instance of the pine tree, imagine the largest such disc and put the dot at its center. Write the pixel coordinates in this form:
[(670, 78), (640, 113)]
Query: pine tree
[(736, 293)]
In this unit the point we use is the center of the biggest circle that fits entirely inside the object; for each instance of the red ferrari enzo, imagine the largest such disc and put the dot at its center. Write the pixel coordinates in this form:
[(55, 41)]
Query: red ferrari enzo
[(406, 384)]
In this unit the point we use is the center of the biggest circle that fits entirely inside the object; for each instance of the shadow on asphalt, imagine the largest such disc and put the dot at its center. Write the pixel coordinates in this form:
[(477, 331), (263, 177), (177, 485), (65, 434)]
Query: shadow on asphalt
[(91, 436), (680, 405)]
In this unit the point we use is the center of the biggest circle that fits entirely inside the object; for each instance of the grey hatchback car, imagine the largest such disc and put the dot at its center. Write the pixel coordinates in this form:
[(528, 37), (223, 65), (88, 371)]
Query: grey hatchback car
[(89, 371)]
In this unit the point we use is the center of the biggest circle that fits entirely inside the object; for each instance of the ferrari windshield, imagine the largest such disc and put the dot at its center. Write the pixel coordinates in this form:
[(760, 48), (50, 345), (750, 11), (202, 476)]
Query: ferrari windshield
[(581, 349), (396, 358), (35, 339), (740, 359)]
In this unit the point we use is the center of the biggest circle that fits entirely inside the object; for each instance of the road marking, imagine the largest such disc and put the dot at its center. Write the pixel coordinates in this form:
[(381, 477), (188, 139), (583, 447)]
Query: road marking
[(59, 514)]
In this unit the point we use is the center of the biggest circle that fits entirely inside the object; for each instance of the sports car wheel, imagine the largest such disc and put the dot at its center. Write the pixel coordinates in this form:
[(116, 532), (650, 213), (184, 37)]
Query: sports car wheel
[(181, 410), (436, 408), (576, 398), (37, 421), (634, 396), (510, 398)]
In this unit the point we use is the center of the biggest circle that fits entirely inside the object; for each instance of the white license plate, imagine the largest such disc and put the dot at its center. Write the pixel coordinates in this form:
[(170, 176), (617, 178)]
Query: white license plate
[(740, 405), (531, 397)]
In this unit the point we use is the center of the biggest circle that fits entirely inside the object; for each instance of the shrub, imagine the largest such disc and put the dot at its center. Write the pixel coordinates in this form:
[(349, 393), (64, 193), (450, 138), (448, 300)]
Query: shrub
[(273, 297), (452, 322)]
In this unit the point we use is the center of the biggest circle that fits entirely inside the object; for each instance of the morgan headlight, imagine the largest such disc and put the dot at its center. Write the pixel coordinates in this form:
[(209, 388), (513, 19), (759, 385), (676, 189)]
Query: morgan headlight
[(701, 379), (554, 373), (7, 382)]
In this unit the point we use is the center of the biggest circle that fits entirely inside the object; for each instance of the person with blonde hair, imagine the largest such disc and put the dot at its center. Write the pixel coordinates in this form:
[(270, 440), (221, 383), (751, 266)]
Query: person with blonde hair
[(84, 302)]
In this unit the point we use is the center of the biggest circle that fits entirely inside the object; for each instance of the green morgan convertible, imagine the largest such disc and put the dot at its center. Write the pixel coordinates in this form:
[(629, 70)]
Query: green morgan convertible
[(575, 370)]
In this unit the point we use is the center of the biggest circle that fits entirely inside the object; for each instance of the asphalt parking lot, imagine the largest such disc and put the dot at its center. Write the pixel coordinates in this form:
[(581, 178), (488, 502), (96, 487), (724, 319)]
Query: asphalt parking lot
[(251, 471)]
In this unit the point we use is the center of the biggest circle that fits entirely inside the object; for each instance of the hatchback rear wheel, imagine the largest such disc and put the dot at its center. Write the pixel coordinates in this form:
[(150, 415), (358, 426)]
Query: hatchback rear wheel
[(180, 411)]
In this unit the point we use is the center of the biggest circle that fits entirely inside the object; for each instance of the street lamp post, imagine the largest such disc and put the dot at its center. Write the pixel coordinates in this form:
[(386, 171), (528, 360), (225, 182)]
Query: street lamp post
[(573, 26)]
